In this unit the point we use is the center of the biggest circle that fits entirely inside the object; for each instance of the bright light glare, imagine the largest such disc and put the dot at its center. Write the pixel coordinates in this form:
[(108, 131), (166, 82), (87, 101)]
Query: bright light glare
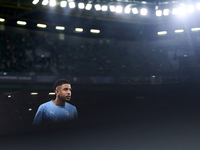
[(34, 93), (144, 2), (166, 12), (143, 11), (72, 5), (52, 3), (162, 32), (174, 11), (88, 6), (158, 13), (119, 9), (198, 6), (104, 8), (21, 22), (127, 10), (52, 93), (35, 2), (2, 19), (41, 25), (63, 3), (60, 28), (190, 8), (181, 11), (94, 31), (81, 5), (179, 31), (45, 2), (97, 7), (112, 8), (79, 30), (135, 11), (195, 29)]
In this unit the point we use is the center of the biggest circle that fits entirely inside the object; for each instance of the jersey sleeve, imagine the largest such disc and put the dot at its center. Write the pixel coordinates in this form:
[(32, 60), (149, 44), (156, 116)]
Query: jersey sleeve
[(39, 116)]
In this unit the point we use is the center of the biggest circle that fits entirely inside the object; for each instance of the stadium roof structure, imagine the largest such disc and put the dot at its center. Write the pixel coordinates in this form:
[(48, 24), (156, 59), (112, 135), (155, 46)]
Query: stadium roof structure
[(24, 10)]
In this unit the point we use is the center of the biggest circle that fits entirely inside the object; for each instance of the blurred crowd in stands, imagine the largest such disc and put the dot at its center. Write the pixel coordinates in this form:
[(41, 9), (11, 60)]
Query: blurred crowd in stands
[(32, 54)]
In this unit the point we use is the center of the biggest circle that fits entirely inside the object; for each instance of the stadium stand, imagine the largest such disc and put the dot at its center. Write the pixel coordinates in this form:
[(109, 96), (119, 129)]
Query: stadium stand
[(45, 54)]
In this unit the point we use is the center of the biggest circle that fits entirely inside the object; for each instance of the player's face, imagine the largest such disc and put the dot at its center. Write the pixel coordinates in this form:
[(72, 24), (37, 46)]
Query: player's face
[(64, 92)]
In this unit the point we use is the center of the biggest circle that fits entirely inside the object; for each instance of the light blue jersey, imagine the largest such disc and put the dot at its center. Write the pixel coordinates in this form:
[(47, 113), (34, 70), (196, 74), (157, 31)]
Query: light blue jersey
[(51, 113)]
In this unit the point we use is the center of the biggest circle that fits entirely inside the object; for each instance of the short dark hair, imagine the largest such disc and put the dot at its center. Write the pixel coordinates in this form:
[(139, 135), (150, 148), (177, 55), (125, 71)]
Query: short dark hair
[(61, 82)]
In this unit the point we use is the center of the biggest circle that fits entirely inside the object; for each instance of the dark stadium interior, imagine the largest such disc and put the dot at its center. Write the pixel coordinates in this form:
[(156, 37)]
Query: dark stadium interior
[(132, 88)]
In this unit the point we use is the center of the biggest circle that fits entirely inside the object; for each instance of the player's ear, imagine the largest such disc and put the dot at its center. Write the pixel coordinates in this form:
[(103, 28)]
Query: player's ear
[(56, 91)]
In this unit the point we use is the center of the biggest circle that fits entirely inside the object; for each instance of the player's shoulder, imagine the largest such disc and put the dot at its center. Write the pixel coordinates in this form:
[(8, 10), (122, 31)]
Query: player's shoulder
[(46, 104), (69, 105)]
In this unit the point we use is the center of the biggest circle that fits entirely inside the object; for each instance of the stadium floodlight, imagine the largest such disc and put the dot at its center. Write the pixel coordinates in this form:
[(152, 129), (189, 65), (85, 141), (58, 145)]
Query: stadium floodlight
[(127, 10), (2, 20), (41, 25), (21, 23), (143, 11), (97, 7), (45, 2), (158, 13), (81, 5), (34, 93), (60, 28), (198, 5), (166, 12), (72, 5), (112, 8), (79, 30), (182, 10), (119, 9), (95, 31), (195, 29), (190, 8), (52, 3), (144, 2), (179, 31), (174, 11), (34, 2), (63, 4), (52, 93), (162, 33), (88, 7), (104, 8), (135, 10)]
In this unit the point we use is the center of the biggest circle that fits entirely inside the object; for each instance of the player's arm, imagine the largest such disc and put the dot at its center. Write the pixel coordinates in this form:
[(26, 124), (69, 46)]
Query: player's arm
[(39, 116)]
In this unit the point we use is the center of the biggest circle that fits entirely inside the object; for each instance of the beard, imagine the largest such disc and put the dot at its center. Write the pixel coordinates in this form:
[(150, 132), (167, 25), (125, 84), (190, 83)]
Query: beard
[(64, 99)]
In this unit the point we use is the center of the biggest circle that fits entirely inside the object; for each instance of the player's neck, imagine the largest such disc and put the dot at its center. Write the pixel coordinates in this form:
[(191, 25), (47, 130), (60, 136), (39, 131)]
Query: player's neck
[(58, 102)]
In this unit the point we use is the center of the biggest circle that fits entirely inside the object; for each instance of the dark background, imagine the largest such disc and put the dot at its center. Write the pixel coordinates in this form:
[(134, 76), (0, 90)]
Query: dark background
[(122, 116), (113, 113)]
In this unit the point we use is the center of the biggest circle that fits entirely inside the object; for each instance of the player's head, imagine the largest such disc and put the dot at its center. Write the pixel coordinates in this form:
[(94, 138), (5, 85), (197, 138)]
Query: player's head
[(63, 90), (60, 82)]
